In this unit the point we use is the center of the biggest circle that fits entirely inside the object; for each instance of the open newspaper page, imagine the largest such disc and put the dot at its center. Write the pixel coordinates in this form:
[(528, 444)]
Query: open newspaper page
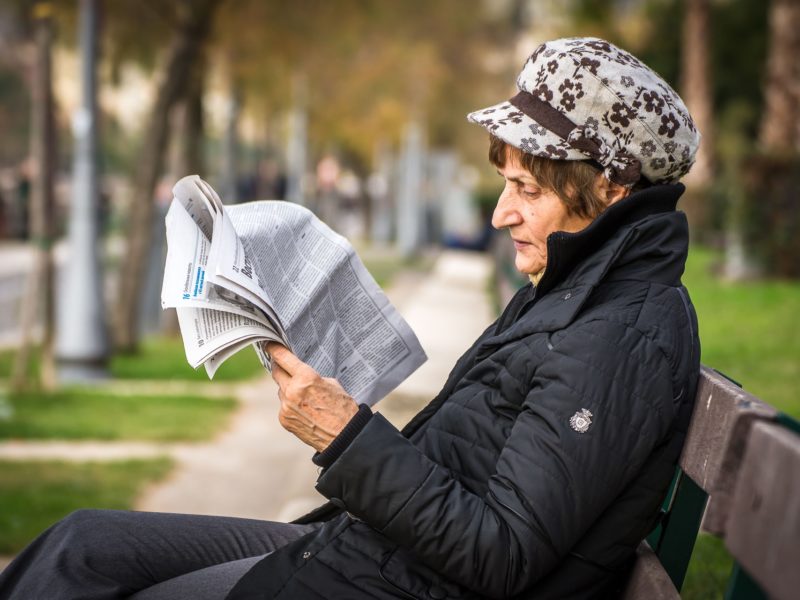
[(207, 211), (336, 318), (185, 283), (215, 322), (305, 279)]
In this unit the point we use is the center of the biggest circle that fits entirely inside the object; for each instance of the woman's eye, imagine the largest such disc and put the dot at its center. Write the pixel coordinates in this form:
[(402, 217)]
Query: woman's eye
[(530, 192)]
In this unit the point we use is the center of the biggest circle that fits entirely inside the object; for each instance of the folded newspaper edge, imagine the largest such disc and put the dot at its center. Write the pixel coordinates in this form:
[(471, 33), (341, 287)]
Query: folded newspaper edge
[(263, 271)]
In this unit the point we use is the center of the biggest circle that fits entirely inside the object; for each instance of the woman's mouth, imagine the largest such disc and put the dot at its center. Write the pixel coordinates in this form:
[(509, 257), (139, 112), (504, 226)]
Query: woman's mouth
[(520, 245)]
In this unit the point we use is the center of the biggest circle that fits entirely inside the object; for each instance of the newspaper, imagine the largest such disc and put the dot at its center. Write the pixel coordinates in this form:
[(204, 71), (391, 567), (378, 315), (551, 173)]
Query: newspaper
[(246, 274)]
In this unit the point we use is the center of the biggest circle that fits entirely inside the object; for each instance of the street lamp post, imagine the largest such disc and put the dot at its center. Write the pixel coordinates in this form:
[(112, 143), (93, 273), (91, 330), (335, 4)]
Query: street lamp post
[(297, 144), (296, 156), (409, 200), (82, 343)]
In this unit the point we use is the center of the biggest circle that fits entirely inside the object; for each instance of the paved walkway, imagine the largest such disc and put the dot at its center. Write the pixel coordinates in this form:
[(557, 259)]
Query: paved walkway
[(255, 468)]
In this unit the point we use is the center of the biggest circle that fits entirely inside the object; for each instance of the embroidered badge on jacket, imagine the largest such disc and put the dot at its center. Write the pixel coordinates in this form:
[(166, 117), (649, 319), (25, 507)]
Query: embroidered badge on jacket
[(581, 420)]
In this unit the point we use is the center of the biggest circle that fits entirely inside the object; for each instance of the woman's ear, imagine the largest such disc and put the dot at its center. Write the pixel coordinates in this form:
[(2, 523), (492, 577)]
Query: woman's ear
[(609, 191)]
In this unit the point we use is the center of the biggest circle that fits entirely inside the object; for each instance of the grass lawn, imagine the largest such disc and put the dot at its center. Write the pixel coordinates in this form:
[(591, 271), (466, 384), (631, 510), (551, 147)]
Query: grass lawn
[(101, 415), (33, 494), (160, 357), (749, 331), (709, 569), (163, 358)]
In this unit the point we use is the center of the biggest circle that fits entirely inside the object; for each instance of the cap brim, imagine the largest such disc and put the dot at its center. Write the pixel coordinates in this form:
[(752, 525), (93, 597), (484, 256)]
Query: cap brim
[(510, 124)]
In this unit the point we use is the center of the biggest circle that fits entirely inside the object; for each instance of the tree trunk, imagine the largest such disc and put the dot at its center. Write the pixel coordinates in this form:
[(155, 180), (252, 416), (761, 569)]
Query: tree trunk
[(189, 157), (40, 293), (780, 123), (696, 88), (183, 53), (230, 148), (771, 174)]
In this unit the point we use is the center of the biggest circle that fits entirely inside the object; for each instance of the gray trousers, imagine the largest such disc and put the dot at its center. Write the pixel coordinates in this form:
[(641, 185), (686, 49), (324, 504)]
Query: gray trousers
[(103, 554)]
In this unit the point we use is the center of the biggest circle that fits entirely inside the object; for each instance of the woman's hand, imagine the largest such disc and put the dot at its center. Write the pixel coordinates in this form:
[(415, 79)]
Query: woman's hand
[(313, 408)]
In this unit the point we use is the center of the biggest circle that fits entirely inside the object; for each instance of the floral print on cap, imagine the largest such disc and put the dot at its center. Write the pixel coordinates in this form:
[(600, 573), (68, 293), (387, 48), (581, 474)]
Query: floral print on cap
[(586, 98)]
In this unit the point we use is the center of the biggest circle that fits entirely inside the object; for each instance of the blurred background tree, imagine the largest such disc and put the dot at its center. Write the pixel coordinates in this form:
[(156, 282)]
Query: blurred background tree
[(191, 23), (772, 170), (221, 80)]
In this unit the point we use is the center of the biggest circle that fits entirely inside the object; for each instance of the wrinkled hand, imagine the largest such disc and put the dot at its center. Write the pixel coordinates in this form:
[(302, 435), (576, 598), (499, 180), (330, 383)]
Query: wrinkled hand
[(313, 408)]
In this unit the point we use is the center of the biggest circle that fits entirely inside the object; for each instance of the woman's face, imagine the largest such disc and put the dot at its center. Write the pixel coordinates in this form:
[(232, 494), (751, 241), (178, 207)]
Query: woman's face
[(530, 214)]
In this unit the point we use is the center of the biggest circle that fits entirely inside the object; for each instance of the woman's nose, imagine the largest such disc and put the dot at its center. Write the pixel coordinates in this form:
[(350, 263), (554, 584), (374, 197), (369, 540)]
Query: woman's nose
[(505, 212)]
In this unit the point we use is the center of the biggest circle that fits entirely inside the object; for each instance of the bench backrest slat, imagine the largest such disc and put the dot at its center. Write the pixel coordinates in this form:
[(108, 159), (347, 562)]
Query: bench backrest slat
[(717, 437), (763, 530)]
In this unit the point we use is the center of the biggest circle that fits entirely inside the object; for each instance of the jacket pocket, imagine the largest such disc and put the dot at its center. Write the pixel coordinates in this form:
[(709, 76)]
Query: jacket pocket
[(403, 571)]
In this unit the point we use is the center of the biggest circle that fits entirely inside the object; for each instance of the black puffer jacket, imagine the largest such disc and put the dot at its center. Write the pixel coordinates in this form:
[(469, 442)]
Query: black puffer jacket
[(542, 462)]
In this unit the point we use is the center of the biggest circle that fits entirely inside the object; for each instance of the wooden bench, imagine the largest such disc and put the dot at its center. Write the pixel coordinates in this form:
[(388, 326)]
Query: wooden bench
[(740, 475)]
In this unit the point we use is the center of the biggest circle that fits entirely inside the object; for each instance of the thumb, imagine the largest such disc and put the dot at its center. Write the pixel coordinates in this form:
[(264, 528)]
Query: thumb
[(285, 359)]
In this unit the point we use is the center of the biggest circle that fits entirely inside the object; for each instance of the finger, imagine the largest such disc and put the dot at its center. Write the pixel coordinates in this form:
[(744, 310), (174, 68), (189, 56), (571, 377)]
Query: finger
[(284, 357), (280, 375)]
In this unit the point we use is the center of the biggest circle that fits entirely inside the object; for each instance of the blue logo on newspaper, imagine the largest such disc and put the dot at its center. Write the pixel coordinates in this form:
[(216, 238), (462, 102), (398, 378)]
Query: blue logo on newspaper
[(199, 281)]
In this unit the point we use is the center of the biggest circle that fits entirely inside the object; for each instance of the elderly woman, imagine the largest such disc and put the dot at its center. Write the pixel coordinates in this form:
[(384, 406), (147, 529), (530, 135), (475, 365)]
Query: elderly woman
[(543, 461)]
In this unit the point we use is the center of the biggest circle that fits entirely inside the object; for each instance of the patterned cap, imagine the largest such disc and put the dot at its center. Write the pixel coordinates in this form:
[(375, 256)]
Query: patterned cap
[(584, 98)]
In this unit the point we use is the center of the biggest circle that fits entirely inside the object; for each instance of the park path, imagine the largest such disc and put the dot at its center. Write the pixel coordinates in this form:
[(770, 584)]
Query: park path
[(254, 468)]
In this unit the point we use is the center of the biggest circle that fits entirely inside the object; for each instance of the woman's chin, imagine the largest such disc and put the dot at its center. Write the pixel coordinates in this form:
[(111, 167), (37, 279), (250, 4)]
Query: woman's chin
[(526, 267)]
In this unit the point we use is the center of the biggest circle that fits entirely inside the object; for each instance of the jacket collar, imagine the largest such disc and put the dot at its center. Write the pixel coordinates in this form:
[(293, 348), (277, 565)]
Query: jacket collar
[(586, 255), (639, 237)]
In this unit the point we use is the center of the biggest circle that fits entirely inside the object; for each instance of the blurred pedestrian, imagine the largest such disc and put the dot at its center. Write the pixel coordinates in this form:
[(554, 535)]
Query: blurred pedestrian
[(22, 199), (3, 216), (271, 180)]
